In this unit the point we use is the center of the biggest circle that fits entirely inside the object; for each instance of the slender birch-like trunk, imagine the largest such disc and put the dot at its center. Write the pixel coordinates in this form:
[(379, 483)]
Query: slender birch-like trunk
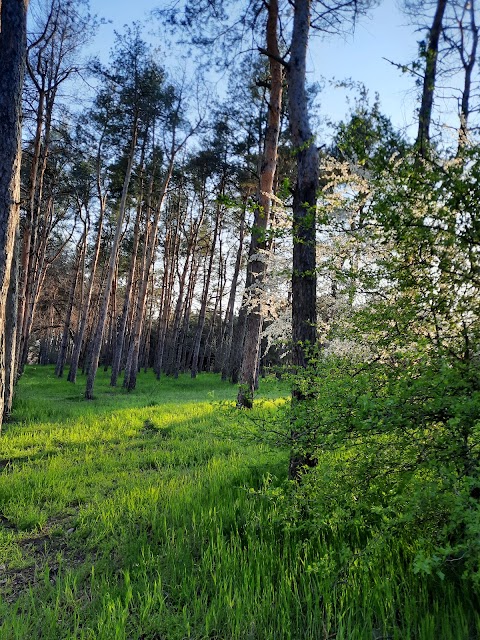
[(131, 368), (227, 337), (62, 353), (206, 288), (98, 334)]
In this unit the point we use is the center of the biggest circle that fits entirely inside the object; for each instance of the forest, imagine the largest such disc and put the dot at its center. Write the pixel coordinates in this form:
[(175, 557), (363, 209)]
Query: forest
[(239, 344)]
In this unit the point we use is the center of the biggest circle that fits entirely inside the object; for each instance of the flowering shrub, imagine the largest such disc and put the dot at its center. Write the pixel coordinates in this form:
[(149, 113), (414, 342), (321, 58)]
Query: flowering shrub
[(391, 399)]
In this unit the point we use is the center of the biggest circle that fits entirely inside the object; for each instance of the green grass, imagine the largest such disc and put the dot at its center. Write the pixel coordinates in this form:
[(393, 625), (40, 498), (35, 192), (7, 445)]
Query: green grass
[(139, 516)]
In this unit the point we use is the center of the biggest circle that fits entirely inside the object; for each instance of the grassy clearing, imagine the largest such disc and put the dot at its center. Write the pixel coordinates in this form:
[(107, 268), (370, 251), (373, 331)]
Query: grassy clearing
[(137, 516)]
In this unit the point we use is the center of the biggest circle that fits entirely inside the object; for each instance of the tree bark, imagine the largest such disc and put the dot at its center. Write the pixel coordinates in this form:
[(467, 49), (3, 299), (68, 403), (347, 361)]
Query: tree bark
[(468, 62), (431, 55), (147, 334), (29, 223), (40, 230), (170, 266), (11, 329), (122, 325), (12, 69), (205, 359), (257, 255), (304, 279)]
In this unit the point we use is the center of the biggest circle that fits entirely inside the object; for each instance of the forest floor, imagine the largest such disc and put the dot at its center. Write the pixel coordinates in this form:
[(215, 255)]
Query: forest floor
[(157, 515)]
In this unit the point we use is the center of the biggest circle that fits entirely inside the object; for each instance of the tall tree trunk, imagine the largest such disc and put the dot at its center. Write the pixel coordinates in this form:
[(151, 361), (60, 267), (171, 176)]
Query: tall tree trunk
[(205, 357), (95, 314), (122, 325), (216, 334), (304, 279), (98, 335), (12, 69), (131, 368), (177, 316), (146, 339), (39, 232), (180, 363), (29, 222), (11, 329), (229, 313), (38, 267), (161, 329), (257, 262), (170, 267), (206, 288), (87, 303), (238, 339), (429, 80), (86, 307), (469, 60), (106, 351), (62, 353)]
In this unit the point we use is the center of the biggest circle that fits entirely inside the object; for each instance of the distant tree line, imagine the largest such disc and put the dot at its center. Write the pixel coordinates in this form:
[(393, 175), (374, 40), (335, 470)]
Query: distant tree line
[(149, 235)]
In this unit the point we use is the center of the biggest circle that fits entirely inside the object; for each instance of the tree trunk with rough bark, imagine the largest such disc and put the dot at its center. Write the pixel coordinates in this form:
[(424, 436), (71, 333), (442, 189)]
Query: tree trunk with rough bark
[(29, 222), (164, 322), (40, 219), (170, 267), (11, 329), (118, 349), (259, 242), (147, 334), (469, 60), (205, 359), (304, 278), (429, 80), (12, 69)]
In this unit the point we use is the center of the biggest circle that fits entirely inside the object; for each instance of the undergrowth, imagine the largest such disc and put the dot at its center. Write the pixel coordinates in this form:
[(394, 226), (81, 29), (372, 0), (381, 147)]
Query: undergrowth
[(156, 516)]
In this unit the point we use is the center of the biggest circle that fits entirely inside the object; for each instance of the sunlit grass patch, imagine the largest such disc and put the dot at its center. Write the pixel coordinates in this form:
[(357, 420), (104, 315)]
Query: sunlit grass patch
[(159, 515)]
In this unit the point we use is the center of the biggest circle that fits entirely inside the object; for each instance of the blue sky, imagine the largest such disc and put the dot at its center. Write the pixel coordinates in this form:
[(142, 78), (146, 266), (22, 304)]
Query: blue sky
[(385, 34)]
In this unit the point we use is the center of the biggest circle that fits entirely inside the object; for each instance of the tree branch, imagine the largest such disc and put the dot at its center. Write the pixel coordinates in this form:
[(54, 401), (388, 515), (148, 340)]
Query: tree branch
[(279, 59)]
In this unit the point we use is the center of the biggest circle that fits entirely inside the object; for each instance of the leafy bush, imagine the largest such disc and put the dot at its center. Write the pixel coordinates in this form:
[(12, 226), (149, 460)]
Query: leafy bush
[(391, 403), (397, 450)]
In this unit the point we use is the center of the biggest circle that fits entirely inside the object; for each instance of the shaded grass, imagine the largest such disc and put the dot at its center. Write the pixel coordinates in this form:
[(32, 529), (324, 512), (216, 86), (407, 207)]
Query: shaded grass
[(137, 516)]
